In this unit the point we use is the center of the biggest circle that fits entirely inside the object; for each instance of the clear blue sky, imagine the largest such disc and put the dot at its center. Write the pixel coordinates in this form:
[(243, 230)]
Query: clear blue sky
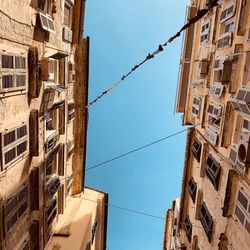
[(137, 112)]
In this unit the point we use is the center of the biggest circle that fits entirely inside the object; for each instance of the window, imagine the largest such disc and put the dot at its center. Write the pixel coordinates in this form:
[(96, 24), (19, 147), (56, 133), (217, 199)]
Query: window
[(52, 186), (246, 125), (206, 221), (67, 15), (227, 13), (52, 124), (51, 212), (214, 110), (242, 100), (242, 209), (51, 162), (188, 228), (13, 72), (15, 208), (205, 31), (196, 149), (212, 169), (196, 106), (14, 145), (71, 111), (224, 40), (94, 229), (46, 6), (192, 188)]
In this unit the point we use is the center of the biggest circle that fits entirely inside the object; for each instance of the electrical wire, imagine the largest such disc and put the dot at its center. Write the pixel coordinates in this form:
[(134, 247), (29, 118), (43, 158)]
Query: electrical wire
[(201, 13), (150, 144)]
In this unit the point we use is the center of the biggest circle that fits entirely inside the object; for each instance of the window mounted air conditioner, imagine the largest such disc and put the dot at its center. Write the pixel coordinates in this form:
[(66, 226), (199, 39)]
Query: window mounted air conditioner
[(216, 90), (67, 34), (211, 135)]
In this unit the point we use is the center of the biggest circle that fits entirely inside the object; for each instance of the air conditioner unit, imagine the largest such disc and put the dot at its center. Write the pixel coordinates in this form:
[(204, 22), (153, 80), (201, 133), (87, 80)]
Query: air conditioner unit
[(67, 34), (216, 89), (240, 154)]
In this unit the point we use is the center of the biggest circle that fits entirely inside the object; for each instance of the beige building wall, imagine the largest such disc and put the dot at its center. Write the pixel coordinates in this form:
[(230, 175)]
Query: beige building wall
[(215, 198), (83, 225), (43, 122)]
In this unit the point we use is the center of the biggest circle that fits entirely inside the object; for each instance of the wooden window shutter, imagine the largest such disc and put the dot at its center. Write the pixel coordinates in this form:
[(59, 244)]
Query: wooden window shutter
[(34, 187), (62, 119), (62, 81), (34, 83), (226, 72), (225, 209), (61, 160), (34, 235), (34, 132)]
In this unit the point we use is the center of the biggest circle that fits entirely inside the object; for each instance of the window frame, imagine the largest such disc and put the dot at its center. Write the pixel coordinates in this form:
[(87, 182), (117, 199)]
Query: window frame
[(197, 152), (213, 175), (15, 209), (192, 190), (195, 106), (14, 145), (206, 221), (188, 228), (244, 211), (228, 16), (13, 71), (205, 32)]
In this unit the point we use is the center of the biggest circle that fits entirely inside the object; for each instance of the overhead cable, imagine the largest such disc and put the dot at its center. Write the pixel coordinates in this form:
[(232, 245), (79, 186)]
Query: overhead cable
[(201, 13), (148, 145)]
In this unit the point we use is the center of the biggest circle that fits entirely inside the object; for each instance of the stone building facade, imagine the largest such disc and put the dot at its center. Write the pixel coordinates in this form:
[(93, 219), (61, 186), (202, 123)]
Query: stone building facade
[(214, 97), (44, 63)]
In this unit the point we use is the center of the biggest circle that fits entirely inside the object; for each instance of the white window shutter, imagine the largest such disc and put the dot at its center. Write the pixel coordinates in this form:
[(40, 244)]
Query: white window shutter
[(47, 22)]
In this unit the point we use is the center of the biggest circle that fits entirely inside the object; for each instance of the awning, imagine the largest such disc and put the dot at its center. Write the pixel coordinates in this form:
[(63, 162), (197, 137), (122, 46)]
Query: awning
[(59, 55), (56, 87)]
